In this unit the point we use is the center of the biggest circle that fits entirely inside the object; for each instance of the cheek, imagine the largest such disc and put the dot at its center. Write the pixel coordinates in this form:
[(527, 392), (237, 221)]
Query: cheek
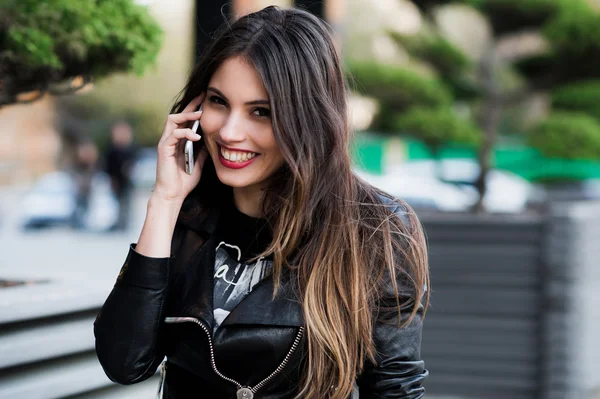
[(211, 122), (271, 143), (274, 150)]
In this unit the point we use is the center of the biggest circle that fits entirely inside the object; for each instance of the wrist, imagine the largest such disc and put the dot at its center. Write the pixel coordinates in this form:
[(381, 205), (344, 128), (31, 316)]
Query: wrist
[(164, 200), (171, 206), (159, 225)]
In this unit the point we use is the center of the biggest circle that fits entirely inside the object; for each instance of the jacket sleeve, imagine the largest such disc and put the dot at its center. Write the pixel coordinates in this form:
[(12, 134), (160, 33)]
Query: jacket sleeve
[(398, 371), (128, 327)]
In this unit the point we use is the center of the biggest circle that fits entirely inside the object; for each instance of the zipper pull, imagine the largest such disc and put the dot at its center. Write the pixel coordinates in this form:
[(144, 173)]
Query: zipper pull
[(245, 393), (161, 384)]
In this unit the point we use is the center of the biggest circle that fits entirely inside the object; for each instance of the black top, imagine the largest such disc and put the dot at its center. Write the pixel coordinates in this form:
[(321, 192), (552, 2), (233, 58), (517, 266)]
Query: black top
[(240, 238)]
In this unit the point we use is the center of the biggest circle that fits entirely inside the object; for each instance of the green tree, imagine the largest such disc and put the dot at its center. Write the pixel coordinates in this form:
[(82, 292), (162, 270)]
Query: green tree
[(571, 31), (57, 46), (417, 104), (566, 65), (397, 89)]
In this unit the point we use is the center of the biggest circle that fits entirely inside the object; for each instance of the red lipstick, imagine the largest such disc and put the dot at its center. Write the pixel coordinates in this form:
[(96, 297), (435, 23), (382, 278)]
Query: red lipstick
[(235, 165)]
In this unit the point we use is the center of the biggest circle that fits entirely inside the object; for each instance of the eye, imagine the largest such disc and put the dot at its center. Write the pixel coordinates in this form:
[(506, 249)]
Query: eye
[(217, 100), (262, 112)]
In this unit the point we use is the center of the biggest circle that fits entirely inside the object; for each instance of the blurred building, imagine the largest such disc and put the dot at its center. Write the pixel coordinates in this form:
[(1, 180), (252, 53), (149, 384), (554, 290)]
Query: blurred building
[(29, 143)]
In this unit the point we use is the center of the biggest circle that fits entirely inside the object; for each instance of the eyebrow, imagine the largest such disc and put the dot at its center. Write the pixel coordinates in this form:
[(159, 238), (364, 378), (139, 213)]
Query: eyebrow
[(255, 102)]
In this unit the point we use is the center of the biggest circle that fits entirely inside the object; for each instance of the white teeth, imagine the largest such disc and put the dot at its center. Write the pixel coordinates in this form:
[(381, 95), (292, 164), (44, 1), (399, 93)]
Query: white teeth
[(237, 156)]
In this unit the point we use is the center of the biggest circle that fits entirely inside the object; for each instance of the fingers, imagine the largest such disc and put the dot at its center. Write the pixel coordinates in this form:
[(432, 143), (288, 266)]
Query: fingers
[(184, 117), (179, 134), (175, 120), (188, 114), (194, 104)]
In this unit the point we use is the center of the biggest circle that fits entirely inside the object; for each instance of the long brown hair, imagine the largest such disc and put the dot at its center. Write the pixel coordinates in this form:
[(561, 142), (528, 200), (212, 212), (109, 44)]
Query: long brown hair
[(344, 245)]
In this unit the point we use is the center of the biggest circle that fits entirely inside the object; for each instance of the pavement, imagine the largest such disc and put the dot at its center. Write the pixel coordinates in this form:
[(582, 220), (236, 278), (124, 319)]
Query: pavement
[(68, 265), (69, 271)]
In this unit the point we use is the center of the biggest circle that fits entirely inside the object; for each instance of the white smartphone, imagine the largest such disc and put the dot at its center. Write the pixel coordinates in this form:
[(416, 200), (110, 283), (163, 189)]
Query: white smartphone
[(189, 148)]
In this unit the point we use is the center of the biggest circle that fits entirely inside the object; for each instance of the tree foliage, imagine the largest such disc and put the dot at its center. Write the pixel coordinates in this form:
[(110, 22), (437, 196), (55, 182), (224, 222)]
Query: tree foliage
[(418, 104), (397, 89), (507, 16), (45, 44), (397, 86), (582, 97), (438, 126), (435, 50), (568, 136)]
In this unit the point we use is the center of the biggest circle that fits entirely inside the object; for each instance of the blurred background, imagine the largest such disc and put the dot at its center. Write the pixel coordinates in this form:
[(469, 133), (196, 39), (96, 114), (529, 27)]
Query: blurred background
[(484, 115)]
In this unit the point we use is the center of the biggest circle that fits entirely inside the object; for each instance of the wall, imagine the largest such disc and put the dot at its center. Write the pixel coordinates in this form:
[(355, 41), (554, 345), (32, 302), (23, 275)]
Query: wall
[(29, 143), (481, 334)]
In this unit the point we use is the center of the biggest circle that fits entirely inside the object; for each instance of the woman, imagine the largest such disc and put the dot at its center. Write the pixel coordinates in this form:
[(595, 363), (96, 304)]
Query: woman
[(271, 271)]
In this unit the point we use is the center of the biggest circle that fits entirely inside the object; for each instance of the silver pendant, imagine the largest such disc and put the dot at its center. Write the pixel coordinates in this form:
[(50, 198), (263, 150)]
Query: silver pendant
[(244, 393)]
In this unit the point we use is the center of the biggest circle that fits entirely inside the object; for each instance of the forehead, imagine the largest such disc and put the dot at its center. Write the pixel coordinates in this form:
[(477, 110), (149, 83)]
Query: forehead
[(239, 80)]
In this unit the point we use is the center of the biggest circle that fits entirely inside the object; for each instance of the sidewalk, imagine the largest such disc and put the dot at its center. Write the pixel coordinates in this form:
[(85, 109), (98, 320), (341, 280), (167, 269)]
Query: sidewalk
[(47, 346), (71, 266)]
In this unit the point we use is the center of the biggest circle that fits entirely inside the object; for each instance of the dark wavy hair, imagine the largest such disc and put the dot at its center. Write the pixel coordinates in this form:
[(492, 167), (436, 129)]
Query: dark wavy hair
[(330, 228)]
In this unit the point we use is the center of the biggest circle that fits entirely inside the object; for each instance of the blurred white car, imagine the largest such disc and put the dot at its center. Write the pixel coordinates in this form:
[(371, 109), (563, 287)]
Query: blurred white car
[(420, 192), (52, 202), (506, 191), (143, 171), (450, 184)]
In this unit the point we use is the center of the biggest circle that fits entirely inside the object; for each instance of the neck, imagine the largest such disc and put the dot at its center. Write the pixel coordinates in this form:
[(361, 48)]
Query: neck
[(248, 201)]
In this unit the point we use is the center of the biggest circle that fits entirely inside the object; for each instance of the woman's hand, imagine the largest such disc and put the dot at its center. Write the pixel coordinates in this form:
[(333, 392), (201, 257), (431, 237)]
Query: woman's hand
[(172, 181)]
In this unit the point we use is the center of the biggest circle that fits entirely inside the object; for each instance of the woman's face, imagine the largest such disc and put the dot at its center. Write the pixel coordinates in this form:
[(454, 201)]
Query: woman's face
[(236, 122)]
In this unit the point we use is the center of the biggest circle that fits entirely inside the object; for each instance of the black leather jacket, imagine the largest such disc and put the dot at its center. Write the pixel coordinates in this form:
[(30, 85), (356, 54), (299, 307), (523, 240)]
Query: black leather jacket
[(164, 307)]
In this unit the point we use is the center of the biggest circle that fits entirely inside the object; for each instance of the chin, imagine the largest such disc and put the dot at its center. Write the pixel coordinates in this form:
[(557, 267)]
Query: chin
[(234, 181)]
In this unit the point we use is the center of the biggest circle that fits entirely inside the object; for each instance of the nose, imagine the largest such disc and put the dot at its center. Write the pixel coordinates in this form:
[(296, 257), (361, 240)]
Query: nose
[(232, 131)]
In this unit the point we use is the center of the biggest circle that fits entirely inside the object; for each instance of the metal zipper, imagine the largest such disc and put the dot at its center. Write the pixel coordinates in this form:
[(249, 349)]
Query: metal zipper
[(173, 320), (161, 384)]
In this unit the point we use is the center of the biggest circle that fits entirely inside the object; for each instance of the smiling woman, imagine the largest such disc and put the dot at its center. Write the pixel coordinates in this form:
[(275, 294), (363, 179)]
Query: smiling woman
[(271, 270), (238, 132)]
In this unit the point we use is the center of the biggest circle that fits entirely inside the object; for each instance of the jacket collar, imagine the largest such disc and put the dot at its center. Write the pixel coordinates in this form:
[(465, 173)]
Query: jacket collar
[(258, 307)]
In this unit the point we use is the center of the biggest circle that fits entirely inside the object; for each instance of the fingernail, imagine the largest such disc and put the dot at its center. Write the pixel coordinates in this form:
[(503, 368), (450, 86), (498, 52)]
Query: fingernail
[(198, 112), (198, 136)]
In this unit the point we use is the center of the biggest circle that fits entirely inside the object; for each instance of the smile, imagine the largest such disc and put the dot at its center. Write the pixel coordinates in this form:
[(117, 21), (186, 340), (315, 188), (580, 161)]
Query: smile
[(236, 159)]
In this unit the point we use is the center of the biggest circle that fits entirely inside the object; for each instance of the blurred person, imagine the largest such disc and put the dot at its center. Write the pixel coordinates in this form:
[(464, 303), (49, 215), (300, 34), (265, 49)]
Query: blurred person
[(119, 159), (271, 270), (85, 166)]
